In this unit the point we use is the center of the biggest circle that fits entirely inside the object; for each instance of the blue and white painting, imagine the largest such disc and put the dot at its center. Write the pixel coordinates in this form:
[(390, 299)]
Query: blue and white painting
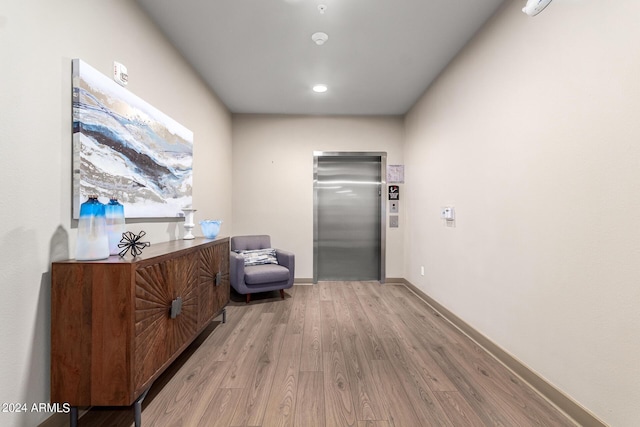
[(125, 148)]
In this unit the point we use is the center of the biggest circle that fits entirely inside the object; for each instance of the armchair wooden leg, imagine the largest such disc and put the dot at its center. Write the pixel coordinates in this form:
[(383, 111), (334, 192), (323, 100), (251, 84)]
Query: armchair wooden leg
[(248, 298), (282, 293)]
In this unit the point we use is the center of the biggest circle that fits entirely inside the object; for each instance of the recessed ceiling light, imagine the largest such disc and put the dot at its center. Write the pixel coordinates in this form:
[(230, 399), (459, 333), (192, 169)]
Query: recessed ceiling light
[(320, 88), (319, 38)]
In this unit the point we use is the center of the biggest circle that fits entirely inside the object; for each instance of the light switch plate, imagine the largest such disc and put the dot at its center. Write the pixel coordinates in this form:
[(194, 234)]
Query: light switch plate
[(448, 213), (393, 221), (120, 74)]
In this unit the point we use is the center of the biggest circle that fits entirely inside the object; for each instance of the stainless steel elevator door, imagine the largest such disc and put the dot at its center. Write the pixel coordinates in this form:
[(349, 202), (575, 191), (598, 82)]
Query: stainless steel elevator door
[(348, 241)]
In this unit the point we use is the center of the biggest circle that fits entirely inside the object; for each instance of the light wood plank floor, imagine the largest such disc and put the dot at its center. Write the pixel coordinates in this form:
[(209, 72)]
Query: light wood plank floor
[(335, 354)]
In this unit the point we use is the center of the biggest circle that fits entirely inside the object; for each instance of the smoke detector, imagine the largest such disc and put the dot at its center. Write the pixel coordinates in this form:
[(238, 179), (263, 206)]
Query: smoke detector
[(319, 38), (322, 8)]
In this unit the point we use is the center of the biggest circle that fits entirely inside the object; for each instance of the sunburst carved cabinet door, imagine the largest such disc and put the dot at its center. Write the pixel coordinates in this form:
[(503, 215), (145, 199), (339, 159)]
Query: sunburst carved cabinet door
[(213, 282), (157, 335)]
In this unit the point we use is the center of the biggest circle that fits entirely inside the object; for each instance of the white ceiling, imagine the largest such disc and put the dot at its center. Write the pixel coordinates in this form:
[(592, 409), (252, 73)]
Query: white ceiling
[(258, 56)]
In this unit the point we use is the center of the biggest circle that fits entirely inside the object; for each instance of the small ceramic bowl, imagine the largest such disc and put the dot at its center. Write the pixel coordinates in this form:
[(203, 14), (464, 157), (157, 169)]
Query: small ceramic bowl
[(210, 228)]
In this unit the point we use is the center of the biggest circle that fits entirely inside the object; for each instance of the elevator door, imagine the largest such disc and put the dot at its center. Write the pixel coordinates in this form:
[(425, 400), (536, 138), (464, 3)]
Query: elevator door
[(348, 237)]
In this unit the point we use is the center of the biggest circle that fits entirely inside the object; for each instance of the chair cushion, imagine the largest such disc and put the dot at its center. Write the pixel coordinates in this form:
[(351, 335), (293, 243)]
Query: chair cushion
[(250, 242), (258, 256), (265, 273)]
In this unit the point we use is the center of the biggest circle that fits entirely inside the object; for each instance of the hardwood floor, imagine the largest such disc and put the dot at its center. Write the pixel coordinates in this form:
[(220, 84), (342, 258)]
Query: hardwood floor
[(335, 354)]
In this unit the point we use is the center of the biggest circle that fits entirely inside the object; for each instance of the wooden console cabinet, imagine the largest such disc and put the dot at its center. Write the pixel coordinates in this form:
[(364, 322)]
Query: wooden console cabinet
[(116, 324)]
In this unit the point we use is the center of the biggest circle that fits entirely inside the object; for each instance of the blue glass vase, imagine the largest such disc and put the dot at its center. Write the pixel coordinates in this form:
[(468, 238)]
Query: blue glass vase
[(114, 212), (93, 242), (210, 228)]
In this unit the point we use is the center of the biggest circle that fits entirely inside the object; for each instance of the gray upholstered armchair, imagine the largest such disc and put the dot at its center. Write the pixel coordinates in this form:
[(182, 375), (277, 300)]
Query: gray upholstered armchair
[(262, 273)]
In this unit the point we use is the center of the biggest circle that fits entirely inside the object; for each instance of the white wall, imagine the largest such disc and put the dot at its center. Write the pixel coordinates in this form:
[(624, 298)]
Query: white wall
[(273, 176), (532, 133), (38, 39)]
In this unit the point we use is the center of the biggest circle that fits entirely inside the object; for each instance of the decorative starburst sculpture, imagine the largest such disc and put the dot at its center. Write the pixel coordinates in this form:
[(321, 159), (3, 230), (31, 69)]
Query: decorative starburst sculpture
[(132, 242)]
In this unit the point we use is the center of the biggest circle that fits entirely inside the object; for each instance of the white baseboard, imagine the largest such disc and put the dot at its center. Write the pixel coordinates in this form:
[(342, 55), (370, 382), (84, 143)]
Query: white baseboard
[(566, 404)]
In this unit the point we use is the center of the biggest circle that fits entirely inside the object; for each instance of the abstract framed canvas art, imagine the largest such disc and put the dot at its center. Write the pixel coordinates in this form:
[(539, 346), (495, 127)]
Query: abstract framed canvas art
[(125, 148)]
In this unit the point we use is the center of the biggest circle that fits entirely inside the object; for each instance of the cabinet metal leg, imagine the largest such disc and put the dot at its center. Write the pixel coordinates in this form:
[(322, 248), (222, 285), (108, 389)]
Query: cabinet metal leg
[(137, 408), (73, 416), (224, 315)]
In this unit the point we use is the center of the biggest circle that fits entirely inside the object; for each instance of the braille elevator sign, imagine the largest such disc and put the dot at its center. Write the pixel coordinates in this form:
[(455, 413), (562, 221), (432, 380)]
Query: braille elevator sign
[(394, 192)]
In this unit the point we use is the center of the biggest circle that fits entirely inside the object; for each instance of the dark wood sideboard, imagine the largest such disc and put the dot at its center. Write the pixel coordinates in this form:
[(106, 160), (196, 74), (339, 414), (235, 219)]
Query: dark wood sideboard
[(118, 323)]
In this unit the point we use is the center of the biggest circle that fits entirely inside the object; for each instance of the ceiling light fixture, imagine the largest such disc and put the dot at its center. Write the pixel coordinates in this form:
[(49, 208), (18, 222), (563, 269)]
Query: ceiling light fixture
[(319, 38), (534, 7), (320, 88)]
